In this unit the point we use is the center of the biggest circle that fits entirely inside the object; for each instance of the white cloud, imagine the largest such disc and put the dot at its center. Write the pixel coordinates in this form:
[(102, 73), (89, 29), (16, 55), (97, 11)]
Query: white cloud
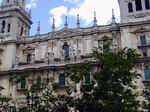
[(57, 13), (103, 10), (86, 8), (31, 4)]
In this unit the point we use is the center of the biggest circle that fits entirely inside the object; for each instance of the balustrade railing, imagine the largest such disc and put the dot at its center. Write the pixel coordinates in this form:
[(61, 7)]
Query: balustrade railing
[(58, 62)]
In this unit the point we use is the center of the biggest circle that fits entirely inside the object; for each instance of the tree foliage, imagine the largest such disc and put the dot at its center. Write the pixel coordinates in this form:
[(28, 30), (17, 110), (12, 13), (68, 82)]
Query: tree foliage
[(146, 92), (112, 87), (7, 104)]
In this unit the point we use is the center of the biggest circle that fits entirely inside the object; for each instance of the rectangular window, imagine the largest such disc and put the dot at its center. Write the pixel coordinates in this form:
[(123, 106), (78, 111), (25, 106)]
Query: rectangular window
[(147, 73), (138, 4), (143, 40), (147, 5), (29, 58), (39, 82), (22, 83), (62, 79)]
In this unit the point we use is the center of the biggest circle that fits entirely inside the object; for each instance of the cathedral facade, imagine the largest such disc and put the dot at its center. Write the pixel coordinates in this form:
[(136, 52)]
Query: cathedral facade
[(44, 56)]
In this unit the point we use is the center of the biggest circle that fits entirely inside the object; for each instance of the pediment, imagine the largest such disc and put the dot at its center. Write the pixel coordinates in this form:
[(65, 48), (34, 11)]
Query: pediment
[(66, 33)]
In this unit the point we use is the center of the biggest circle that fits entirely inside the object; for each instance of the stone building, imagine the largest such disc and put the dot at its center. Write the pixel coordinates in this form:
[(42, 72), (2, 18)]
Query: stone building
[(45, 56)]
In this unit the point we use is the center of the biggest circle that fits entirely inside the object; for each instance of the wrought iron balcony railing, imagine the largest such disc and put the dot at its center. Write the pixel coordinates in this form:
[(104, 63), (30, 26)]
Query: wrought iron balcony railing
[(146, 45)]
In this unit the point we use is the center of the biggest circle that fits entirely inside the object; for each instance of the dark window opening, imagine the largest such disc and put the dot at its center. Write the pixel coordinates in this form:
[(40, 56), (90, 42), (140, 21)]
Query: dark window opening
[(138, 4), (62, 79), (38, 82), (147, 5), (130, 7), (21, 32), (3, 26), (143, 40), (8, 28), (7, 1), (22, 83), (147, 73), (144, 54), (66, 50), (29, 58)]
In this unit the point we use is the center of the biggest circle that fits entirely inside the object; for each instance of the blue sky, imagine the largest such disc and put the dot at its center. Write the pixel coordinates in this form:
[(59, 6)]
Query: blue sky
[(45, 10)]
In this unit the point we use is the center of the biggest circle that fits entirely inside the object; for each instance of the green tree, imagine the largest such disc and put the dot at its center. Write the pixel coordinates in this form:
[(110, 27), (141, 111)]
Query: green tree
[(146, 92), (7, 104), (112, 86), (43, 97)]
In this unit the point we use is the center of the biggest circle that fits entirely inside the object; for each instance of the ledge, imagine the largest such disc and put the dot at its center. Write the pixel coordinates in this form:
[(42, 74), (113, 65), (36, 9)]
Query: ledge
[(21, 89), (62, 86)]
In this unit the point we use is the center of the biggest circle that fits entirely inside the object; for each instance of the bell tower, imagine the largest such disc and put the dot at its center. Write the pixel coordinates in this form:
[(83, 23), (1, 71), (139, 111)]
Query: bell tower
[(14, 20), (134, 10), (15, 23)]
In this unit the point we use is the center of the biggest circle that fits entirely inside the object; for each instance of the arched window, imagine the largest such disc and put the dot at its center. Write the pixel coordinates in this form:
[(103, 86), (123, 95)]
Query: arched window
[(147, 5), (138, 4), (62, 79), (8, 27), (3, 26), (130, 7), (21, 32), (66, 49)]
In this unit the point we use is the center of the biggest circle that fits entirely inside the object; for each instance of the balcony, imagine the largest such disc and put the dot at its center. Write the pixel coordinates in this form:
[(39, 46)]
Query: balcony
[(143, 46), (52, 63)]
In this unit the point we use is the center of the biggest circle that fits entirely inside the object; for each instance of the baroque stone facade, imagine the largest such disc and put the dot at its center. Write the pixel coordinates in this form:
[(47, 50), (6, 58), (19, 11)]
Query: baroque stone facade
[(45, 56)]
